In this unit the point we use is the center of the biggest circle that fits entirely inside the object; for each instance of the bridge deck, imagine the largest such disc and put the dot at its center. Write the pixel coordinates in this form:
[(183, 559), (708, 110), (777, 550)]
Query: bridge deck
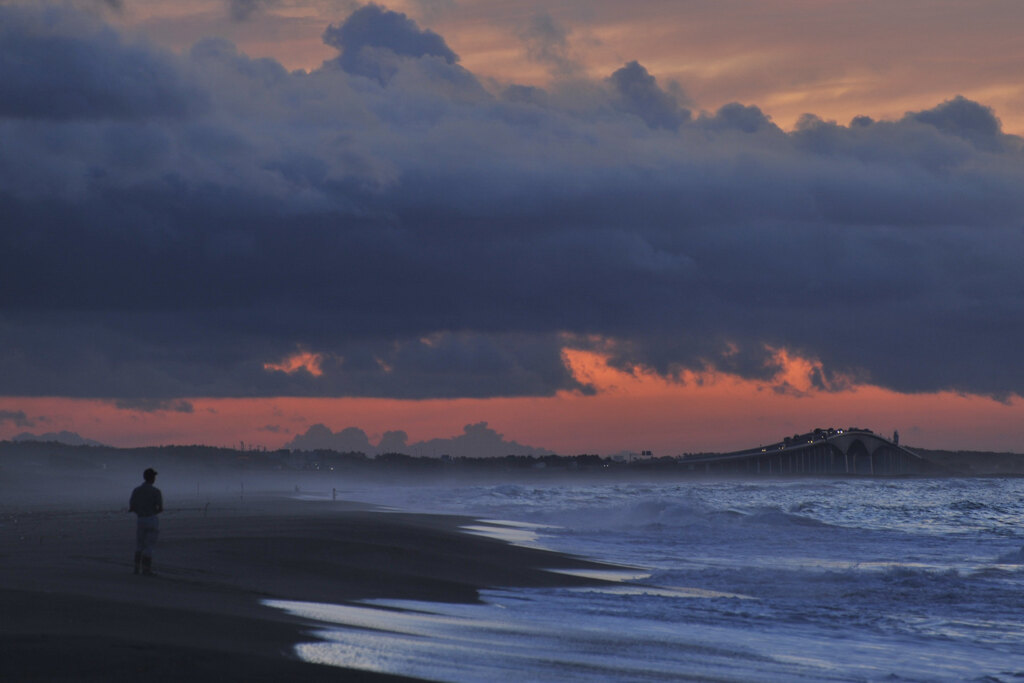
[(821, 452)]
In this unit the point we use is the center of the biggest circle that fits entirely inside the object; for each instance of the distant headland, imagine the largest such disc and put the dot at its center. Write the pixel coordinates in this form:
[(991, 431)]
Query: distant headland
[(821, 452)]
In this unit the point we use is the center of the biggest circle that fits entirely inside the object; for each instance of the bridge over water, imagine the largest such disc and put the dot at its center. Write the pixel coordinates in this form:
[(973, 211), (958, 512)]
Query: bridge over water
[(824, 452)]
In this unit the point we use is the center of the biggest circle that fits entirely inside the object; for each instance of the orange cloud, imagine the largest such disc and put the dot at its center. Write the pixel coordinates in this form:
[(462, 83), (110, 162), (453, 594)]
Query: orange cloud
[(304, 360)]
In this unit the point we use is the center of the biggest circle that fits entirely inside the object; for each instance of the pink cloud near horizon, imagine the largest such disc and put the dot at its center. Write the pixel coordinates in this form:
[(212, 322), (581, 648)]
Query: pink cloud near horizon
[(631, 411)]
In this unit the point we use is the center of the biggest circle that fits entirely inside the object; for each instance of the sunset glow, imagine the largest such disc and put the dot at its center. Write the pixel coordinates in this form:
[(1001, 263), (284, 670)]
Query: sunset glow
[(593, 226), (631, 411)]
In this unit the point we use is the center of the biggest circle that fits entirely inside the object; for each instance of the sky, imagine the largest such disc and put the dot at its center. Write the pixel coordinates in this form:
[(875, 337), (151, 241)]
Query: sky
[(570, 226)]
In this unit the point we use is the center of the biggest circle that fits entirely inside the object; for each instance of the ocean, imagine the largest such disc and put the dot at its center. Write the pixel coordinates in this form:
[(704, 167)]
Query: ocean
[(769, 580)]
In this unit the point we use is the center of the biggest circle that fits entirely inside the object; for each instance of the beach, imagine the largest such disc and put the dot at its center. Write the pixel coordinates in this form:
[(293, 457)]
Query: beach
[(73, 610), (268, 577)]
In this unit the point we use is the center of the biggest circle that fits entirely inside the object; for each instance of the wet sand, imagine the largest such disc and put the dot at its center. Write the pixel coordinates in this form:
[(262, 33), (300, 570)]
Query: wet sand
[(73, 610)]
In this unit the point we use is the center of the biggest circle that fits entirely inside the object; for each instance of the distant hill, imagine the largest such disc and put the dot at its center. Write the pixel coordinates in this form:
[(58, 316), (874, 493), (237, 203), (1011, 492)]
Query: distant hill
[(65, 437), (974, 463)]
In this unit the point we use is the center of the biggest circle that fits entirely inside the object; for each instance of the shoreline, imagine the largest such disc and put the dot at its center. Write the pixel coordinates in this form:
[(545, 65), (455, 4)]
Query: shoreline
[(78, 613)]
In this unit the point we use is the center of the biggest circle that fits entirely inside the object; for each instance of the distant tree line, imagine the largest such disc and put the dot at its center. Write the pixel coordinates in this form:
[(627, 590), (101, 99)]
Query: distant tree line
[(39, 454), (321, 460)]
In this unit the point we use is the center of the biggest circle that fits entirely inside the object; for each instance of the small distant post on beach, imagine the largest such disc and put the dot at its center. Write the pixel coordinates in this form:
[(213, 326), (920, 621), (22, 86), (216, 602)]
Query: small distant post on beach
[(334, 493)]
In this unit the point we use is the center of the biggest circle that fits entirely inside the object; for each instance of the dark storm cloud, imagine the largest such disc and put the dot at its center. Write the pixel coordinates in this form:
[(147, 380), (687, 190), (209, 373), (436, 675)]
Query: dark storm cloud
[(639, 94), (963, 118), (746, 119), (56, 66), (412, 235), (372, 36)]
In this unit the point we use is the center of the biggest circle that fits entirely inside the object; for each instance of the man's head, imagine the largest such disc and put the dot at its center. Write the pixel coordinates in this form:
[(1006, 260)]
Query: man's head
[(149, 475)]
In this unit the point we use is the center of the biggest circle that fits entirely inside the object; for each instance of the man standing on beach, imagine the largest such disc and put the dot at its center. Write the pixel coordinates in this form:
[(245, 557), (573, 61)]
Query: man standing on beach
[(146, 502)]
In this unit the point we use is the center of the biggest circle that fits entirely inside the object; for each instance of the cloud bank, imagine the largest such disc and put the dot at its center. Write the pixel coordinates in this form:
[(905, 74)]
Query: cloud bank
[(187, 225), (476, 441)]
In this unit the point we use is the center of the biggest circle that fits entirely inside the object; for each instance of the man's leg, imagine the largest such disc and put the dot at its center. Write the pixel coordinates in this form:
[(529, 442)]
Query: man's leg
[(150, 527), (140, 542)]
